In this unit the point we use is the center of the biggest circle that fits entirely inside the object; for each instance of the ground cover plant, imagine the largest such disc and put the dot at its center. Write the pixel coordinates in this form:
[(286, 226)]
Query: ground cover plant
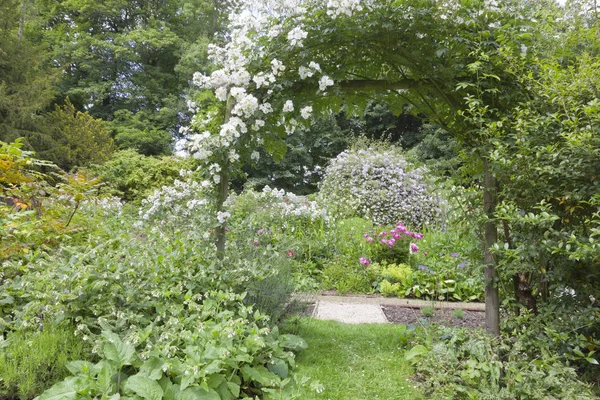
[(456, 363)]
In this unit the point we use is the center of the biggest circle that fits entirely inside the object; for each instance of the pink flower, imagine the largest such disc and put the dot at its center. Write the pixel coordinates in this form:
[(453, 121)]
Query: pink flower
[(383, 233), (391, 243), (366, 235), (383, 241), (256, 243), (397, 236), (418, 236), (369, 239), (260, 231), (290, 253), (414, 248), (365, 261)]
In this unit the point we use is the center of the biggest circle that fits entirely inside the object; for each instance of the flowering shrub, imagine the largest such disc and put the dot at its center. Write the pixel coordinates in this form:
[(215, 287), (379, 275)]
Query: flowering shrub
[(381, 186), (283, 206), (393, 245), (185, 201)]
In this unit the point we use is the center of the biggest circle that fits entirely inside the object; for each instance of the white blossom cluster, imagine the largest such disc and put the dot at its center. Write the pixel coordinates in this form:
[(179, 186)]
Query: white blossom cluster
[(335, 8), (252, 96), (106, 205), (183, 201), (381, 186), (285, 204)]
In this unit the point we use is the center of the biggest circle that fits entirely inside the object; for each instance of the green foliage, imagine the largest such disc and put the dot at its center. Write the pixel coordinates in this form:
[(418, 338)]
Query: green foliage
[(128, 62), (34, 215), (307, 154), (438, 149), (464, 364), (133, 176), (348, 276), (229, 355), (31, 360), (548, 166), (396, 273), (27, 79), (427, 311), (458, 313), (78, 140), (135, 132), (146, 299)]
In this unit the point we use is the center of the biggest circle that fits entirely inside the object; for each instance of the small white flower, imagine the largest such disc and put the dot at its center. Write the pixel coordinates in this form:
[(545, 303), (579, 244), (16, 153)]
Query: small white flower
[(296, 36), (288, 106), (306, 112), (325, 82)]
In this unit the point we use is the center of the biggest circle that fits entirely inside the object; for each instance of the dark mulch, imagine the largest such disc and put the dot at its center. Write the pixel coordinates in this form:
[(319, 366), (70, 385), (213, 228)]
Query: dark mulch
[(414, 316)]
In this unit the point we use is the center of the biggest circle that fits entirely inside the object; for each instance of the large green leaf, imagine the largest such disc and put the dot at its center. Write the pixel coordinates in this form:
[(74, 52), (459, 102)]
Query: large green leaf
[(293, 342), (152, 368), (279, 367), (144, 387), (65, 390), (197, 393), (416, 351), (79, 367), (117, 351)]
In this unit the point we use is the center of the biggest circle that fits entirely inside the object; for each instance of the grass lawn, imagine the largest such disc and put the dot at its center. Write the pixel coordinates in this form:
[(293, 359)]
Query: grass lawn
[(358, 362)]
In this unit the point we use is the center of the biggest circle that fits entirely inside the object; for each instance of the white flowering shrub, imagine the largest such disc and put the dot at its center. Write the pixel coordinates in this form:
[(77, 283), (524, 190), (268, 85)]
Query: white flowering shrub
[(379, 185), (279, 204), (186, 202)]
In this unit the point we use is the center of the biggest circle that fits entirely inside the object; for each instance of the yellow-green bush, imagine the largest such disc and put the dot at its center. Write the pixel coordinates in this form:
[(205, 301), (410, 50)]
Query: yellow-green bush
[(396, 272), (390, 289)]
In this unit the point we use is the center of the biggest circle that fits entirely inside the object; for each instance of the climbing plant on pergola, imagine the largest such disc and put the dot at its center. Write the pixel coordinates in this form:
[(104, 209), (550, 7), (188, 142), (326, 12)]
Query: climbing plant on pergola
[(458, 62)]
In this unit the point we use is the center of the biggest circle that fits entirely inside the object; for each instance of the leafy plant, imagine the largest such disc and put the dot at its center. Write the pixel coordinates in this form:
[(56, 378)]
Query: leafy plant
[(427, 311), (30, 360), (457, 363)]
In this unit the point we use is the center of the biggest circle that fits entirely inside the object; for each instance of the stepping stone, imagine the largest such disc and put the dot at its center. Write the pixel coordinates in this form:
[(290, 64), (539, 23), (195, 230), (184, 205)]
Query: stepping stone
[(350, 313)]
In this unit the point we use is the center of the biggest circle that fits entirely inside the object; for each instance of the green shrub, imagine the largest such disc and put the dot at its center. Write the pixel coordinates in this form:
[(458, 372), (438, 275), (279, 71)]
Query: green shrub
[(390, 289), (396, 272), (458, 363), (458, 313), (347, 276), (31, 361), (133, 176)]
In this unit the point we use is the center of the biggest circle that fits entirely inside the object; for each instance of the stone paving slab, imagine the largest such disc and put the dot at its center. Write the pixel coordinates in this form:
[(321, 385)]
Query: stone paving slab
[(349, 313)]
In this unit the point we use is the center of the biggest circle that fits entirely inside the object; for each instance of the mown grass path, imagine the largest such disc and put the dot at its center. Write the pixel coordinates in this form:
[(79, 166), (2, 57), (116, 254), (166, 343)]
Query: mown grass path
[(353, 362)]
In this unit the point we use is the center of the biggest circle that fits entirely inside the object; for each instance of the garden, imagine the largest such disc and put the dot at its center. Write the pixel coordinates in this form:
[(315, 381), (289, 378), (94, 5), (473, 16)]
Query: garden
[(436, 151)]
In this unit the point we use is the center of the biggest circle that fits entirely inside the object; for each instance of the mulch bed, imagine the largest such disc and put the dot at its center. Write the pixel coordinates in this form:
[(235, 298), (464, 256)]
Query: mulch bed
[(414, 316)]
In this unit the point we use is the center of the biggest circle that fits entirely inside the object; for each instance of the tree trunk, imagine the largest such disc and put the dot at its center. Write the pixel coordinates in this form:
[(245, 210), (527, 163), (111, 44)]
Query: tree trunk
[(492, 298), (223, 191), (22, 20)]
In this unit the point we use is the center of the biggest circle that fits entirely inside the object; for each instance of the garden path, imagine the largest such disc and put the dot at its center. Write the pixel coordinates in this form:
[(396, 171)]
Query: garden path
[(367, 309)]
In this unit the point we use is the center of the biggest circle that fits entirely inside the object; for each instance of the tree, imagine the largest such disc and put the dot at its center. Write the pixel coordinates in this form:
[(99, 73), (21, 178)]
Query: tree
[(127, 62), (26, 76)]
